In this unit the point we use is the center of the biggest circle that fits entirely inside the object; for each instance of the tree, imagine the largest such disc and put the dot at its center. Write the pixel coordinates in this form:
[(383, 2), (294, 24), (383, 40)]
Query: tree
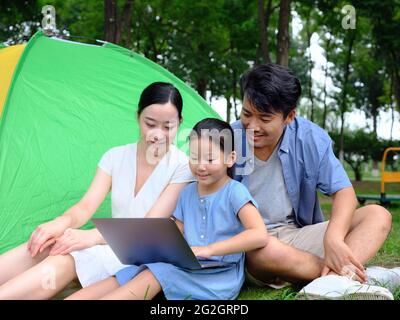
[(358, 150), (283, 40), (19, 20), (115, 24), (264, 18)]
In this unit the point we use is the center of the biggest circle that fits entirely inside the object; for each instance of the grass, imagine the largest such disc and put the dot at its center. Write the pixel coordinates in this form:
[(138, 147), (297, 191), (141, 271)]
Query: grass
[(388, 255)]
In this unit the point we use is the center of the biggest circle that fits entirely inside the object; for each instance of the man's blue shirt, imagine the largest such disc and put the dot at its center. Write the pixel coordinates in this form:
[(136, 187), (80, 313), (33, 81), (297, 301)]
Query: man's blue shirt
[(308, 164)]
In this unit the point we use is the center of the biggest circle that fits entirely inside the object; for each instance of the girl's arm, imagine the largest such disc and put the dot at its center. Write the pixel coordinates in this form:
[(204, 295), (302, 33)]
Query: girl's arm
[(255, 236)]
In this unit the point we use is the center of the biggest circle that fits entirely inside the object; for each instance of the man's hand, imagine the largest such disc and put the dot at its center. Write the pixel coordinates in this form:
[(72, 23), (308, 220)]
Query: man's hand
[(73, 240), (203, 251), (340, 259)]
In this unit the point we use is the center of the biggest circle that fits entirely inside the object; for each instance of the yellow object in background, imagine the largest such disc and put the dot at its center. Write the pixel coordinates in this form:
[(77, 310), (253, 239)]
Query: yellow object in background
[(9, 58)]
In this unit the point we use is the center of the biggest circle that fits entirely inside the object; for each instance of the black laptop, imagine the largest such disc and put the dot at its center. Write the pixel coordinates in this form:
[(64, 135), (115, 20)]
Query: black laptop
[(137, 241)]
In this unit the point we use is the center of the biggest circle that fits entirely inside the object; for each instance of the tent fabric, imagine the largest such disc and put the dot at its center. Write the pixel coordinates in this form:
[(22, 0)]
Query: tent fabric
[(68, 103), (9, 57)]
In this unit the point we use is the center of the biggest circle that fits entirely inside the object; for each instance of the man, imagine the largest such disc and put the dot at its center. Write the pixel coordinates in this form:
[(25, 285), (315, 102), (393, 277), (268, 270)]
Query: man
[(283, 159)]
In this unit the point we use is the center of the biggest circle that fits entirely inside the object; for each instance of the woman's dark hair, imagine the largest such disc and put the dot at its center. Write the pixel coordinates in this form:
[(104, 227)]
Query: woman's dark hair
[(271, 88), (160, 93), (219, 132)]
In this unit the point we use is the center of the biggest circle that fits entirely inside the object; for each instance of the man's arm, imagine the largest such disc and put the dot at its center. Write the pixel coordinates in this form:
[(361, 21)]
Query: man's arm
[(344, 203), (338, 256)]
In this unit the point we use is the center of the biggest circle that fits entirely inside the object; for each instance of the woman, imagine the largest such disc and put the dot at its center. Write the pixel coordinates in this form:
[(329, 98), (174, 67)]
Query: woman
[(145, 177)]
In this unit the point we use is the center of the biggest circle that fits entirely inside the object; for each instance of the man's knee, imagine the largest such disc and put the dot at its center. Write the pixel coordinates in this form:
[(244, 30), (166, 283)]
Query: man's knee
[(385, 217), (270, 257), (380, 216)]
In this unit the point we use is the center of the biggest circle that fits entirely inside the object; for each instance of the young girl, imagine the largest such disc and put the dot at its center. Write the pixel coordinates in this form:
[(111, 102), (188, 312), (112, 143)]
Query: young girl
[(219, 220)]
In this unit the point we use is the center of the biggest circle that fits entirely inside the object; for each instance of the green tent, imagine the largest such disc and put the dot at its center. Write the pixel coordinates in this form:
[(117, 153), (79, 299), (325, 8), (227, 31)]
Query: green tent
[(66, 105)]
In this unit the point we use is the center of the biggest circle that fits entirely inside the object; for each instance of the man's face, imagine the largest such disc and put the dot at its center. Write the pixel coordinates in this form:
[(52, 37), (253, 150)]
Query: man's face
[(266, 128)]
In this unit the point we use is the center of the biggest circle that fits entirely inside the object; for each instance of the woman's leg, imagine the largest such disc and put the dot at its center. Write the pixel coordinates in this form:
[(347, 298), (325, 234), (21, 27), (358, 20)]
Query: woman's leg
[(95, 291), (18, 260), (42, 281), (142, 287)]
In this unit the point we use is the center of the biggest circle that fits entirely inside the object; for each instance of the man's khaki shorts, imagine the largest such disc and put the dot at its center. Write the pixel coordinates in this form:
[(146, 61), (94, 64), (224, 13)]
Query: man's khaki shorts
[(309, 238)]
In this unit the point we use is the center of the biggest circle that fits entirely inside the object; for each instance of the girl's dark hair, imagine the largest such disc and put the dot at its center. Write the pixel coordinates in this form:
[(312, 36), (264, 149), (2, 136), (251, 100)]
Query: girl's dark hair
[(219, 132), (160, 93), (271, 88)]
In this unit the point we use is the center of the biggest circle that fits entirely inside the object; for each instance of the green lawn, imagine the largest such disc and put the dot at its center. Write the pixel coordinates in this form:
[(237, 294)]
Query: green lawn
[(388, 255)]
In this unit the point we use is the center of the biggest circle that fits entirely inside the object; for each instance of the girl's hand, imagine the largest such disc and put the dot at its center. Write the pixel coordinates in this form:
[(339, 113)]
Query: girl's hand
[(73, 240), (203, 252), (45, 235)]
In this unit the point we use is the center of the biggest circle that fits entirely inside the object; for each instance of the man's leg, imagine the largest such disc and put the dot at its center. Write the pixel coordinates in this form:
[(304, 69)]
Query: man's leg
[(281, 260), (369, 229)]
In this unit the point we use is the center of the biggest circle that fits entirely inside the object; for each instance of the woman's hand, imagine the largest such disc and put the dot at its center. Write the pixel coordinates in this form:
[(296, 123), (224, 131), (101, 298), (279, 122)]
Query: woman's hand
[(203, 251), (73, 240), (46, 234)]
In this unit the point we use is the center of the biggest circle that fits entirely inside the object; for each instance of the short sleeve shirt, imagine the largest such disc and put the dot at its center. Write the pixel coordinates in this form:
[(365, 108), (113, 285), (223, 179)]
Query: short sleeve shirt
[(120, 164)]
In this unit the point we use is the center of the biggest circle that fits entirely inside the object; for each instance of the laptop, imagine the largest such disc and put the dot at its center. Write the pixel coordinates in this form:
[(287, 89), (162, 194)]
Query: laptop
[(137, 241)]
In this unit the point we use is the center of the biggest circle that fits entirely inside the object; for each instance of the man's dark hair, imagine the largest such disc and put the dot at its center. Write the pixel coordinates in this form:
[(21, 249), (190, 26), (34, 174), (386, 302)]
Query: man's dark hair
[(271, 88)]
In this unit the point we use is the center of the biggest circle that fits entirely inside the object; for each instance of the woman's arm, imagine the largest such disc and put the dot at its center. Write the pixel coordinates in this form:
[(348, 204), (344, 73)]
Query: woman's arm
[(80, 213), (255, 236), (166, 203), (76, 216)]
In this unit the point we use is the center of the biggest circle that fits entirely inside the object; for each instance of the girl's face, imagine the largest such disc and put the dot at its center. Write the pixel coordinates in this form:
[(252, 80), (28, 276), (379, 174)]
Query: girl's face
[(158, 125), (208, 162)]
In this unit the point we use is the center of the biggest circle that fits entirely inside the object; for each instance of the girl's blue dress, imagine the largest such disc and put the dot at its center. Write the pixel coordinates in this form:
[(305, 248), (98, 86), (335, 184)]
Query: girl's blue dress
[(207, 219)]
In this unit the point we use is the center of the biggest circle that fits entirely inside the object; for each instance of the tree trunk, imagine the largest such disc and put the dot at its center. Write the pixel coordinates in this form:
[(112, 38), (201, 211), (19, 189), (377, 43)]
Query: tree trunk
[(234, 91), (263, 28), (310, 64), (110, 20), (228, 109), (343, 107), (327, 48), (356, 167), (283, 33), (358, 174), (391, 105), (201, 87), (375, 119), (124, 30), (115, 27), (396, 77)]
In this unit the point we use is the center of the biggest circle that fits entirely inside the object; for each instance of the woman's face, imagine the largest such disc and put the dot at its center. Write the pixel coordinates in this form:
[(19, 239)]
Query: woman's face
[(158, 125)]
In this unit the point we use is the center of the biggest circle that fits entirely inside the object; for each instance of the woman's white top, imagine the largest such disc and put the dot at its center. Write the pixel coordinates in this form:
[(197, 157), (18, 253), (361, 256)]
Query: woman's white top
[(99, 262)]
